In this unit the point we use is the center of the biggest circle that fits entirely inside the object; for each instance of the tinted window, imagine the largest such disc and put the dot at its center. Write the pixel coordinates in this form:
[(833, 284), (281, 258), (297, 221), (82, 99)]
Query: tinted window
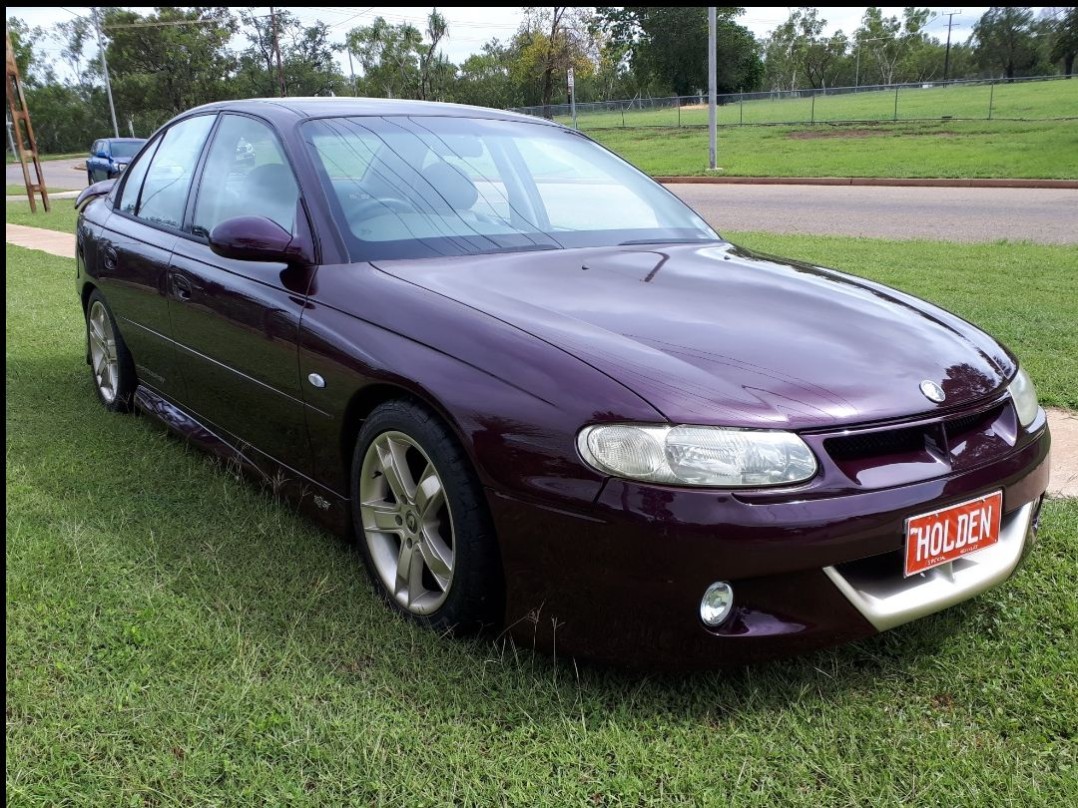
[(126, 148), (164, 192), (95, 148), (413, 187), (135, 175), (246, 174)]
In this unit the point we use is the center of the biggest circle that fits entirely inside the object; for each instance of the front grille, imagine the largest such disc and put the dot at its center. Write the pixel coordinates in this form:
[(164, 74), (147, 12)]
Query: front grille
[(872, 444), (930, 448)]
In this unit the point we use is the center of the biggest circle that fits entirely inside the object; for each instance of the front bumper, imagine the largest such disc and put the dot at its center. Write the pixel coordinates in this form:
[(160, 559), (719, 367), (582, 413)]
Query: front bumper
[(622, 583)]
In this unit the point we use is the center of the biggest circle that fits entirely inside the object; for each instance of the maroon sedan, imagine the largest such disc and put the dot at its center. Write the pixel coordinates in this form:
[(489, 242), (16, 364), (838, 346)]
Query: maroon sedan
[(543, 393)]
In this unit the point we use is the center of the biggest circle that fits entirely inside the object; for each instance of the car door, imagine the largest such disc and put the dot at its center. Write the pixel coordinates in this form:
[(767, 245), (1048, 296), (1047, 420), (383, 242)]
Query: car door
[(92, 162), (236, 323), (136, 243)]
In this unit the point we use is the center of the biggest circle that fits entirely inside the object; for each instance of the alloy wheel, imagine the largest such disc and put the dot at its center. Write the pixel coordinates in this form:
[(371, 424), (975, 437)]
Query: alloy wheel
[(103, 356), (407, 523)]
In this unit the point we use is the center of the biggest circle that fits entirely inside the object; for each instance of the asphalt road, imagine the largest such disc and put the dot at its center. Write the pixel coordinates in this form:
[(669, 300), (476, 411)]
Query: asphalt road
[(59, 174), (1048, 216)]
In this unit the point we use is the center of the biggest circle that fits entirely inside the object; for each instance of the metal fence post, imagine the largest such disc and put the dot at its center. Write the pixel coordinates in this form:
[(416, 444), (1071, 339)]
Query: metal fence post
[(623, 117), (812, 115), (741, 110), (679, 113), (991, 95), (896, 102)]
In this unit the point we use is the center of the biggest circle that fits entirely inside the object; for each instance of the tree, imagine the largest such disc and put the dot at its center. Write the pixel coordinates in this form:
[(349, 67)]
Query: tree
[(667, 47), (550, 42), (437, 28), (799, 52), (306, 58), (1004, 40), (890, 40), (23, 41), (388, 55), (170, 60), (1064, 40)]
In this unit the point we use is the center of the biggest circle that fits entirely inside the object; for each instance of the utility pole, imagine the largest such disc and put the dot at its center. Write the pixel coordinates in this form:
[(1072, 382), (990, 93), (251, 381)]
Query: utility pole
[(352, 70), (947, 54), (571, 79), (105, 70), (712, 148), (277, 53)]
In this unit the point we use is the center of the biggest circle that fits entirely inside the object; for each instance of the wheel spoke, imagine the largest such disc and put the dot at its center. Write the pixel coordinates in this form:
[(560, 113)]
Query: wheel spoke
[(405, 561), (437, 557), (429, 494), (395, 469), (381, 516)]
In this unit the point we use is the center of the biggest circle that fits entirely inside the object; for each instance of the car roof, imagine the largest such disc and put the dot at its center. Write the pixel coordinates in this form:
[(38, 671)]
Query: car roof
[(321, 107), (124, 139)]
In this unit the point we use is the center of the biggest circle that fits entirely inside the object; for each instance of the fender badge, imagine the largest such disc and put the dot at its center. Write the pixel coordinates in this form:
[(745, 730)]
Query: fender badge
[(932, 391)]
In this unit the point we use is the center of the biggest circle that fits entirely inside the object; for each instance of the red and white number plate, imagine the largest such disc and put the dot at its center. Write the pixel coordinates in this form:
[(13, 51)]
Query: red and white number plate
[(944, 535)]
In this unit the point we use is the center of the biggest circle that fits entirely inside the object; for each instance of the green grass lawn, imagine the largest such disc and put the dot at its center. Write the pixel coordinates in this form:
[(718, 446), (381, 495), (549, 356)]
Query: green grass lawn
[(1021, 101), (961, 149), (174, 636), (63, 215)]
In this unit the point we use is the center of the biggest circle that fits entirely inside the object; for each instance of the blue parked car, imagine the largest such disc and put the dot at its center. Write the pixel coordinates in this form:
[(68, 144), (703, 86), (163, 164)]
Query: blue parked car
[(110, 156)]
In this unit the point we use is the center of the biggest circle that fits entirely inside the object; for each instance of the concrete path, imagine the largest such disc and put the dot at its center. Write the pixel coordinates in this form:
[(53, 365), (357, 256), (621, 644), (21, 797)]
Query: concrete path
[(1063, 423), (52, 196), (37, 238), (1047, 216)]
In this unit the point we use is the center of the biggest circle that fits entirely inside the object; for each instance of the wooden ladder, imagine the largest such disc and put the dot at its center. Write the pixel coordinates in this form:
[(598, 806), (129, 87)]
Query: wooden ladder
[(20, 119)]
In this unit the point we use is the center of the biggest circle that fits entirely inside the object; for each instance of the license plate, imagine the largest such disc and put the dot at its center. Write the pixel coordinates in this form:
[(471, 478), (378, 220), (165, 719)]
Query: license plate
[(949, 533)]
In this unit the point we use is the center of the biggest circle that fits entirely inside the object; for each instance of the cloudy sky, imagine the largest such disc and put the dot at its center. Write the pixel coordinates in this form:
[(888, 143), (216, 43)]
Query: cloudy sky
[(469, 28)]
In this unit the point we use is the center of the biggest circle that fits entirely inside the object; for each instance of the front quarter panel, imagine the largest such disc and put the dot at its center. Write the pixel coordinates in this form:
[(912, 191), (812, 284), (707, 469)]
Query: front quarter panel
[(515, 402)]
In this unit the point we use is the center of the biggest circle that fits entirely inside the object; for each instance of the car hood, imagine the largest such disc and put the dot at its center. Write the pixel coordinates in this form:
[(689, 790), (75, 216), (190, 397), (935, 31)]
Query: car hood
[(718, 335)]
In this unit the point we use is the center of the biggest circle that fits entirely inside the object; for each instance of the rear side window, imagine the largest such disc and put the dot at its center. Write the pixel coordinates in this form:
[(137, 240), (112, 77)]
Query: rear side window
[(135, 176), (164, 190), (246, 174)]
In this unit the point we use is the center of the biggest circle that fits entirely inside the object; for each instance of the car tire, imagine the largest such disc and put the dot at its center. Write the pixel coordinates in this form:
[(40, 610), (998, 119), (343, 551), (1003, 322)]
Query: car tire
[(111, 367), (458, 587)]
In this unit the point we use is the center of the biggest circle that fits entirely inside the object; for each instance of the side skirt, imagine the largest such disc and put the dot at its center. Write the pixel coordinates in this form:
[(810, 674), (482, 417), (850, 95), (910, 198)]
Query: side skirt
[(318, 503)]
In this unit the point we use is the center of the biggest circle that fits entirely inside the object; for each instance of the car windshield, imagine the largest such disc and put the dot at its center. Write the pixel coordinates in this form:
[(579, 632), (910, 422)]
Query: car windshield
[(125, 148), (418, 187)]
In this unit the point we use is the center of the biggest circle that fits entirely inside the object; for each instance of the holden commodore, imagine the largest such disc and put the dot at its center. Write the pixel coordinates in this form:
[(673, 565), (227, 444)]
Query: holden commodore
[(546, 396)]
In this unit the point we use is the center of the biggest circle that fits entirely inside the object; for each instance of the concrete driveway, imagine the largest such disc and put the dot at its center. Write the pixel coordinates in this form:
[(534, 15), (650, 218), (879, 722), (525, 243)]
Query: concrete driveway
[(1048, 216)]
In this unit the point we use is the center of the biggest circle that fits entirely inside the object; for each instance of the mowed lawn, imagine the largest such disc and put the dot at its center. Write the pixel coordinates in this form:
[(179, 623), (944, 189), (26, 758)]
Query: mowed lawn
[(955, 149), (1039, 100), (175, 636)]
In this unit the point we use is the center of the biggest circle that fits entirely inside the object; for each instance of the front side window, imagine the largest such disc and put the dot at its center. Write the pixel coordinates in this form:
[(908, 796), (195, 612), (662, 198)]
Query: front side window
[(164, 191), (416, 187), (246, 174)]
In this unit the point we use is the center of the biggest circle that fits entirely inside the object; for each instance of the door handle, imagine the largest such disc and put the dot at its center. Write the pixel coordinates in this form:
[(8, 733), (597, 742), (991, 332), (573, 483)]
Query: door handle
[(181, 288), (109, 258)]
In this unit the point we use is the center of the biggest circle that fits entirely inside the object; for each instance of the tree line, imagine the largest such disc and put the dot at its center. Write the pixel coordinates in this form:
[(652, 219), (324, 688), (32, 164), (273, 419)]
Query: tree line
[(171, 59)]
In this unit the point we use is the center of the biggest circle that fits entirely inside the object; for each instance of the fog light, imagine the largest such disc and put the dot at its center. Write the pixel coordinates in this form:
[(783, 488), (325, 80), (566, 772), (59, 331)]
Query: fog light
[(717, 603)]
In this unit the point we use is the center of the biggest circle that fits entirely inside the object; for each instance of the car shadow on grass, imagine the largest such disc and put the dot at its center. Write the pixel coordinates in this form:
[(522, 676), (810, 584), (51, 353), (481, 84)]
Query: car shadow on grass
[(228, 569)]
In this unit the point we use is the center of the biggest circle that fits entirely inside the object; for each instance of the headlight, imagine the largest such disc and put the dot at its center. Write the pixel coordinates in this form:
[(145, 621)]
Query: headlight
[(697, 455), (1024, 397)]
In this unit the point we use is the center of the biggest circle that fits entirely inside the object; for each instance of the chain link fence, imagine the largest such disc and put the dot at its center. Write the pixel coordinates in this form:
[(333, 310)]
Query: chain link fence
[(1040, 98)]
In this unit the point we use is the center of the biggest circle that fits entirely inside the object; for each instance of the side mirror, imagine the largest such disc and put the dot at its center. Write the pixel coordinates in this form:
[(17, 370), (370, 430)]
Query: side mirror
[(93, 192), (102, 153), (256, 238)]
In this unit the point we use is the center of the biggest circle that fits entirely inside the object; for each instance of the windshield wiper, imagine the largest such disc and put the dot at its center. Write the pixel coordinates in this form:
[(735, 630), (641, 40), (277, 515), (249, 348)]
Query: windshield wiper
[(631, 242), (521, 248)]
